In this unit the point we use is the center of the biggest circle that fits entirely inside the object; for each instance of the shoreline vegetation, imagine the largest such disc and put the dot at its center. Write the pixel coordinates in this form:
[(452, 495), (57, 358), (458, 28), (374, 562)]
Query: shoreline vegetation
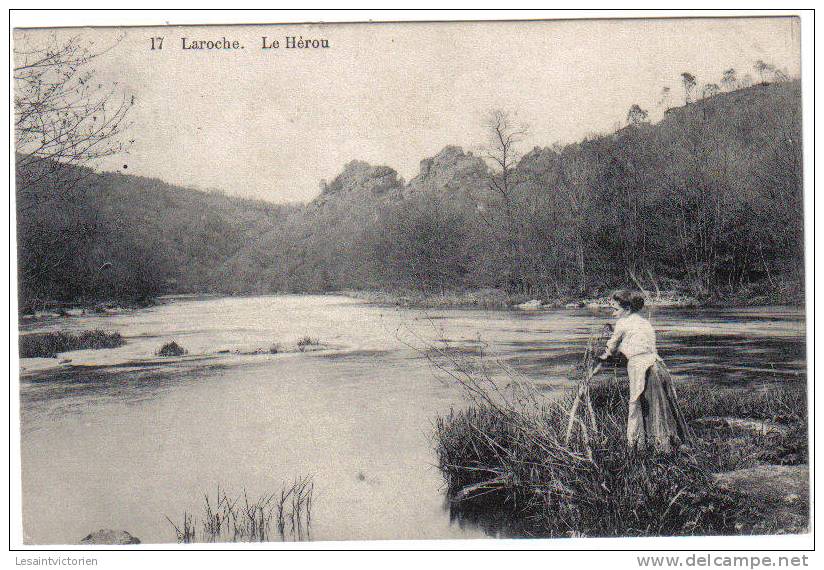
[(51, 344), (509, 468), (81, 307), (500, 299)]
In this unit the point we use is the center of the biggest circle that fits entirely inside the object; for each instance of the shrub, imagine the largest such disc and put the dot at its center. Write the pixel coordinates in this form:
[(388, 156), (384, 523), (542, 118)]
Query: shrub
[(49, 345), (171, 349), (517, 463)]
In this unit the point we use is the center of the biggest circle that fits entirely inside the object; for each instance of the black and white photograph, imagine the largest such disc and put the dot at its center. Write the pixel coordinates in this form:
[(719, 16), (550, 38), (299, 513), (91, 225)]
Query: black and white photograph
[(467, 280)]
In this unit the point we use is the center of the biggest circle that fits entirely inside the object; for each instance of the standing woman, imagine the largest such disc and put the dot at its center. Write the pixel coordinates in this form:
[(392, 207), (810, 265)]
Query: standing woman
[(655, 418)]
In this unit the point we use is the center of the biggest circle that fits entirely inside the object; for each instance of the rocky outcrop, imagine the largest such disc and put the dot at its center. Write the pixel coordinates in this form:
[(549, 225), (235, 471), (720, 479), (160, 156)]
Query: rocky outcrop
[(360, 176), (109, 536), (451, 169)]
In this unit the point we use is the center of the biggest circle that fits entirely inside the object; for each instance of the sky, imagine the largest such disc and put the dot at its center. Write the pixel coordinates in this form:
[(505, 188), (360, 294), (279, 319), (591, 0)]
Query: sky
[(272, 123)]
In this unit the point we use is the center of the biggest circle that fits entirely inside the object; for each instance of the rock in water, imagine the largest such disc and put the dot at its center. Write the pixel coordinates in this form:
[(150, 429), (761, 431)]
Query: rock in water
[(109, 536), (530, 305)]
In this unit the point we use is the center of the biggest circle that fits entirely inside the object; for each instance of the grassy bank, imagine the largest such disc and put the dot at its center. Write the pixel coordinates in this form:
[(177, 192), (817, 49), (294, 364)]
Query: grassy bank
[(507, 466), (49, 345)]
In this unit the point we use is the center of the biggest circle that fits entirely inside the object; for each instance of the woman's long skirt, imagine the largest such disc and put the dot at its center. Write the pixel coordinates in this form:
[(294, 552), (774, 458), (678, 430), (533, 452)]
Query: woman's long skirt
[(655, 417)]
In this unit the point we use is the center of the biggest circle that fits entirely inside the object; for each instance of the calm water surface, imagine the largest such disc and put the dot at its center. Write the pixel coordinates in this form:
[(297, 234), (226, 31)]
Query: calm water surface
[(119, 438)]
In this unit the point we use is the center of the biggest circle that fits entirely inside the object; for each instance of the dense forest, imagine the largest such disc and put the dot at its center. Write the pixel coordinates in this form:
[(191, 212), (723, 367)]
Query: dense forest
[(708, 200)]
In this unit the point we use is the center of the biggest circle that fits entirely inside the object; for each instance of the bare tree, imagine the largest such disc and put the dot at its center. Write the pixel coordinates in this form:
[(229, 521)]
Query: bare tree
[(636, 115), (729, 80), (64, 116), (763, 69), (576, 190), (505, 133), (688, 81)]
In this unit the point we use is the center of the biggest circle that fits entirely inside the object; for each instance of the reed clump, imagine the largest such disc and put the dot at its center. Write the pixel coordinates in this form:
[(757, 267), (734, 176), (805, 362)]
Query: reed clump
[(49, 345), (284, 515), (521, 464), (307, 341)]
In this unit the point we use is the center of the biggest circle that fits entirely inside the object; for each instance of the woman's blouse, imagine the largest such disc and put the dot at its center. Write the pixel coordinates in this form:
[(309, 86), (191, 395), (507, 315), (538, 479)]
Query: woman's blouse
[(633, 335)]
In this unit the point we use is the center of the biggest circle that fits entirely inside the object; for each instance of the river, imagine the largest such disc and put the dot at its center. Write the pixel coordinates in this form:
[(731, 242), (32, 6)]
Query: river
[(120, 438)]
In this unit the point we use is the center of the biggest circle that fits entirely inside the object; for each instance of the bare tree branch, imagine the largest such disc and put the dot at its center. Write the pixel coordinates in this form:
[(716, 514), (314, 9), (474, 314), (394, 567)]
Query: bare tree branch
[(63, 115)]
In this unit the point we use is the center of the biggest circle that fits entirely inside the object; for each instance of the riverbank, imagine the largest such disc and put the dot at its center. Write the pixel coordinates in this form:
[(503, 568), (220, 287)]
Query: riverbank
[(499, 299), (488, 298), (508, 468), (52, 309)]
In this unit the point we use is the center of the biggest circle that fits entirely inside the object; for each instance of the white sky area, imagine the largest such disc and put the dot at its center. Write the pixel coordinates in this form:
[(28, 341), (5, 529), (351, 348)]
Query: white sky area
[(270, 124)]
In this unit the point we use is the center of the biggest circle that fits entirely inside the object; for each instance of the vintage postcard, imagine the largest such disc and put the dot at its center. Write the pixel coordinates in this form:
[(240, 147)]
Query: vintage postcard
[(421, 281)]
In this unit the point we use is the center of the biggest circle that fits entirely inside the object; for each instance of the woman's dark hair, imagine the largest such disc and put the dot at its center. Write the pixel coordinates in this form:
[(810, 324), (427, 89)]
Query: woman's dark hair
[(632, 301)]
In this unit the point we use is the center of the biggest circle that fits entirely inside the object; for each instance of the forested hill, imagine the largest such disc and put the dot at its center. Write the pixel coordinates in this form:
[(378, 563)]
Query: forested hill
[(119, 237), (708, 200)]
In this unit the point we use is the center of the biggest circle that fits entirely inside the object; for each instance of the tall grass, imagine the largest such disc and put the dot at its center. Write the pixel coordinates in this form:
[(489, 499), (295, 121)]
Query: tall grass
[(508, 464), (49, 345), (786, 405), (284, 515)]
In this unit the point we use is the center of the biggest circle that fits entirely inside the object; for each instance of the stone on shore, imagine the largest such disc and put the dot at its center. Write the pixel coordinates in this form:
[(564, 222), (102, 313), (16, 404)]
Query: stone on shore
[(109, 536)]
